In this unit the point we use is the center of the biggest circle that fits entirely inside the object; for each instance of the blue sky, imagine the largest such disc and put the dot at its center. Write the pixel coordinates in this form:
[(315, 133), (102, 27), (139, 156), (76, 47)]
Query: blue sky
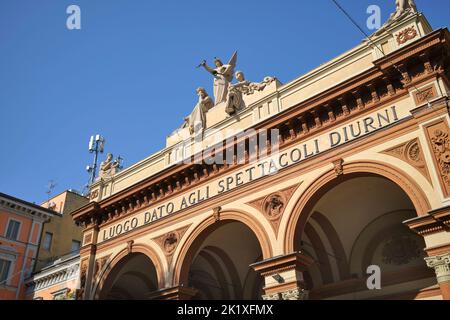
[(130, 74)]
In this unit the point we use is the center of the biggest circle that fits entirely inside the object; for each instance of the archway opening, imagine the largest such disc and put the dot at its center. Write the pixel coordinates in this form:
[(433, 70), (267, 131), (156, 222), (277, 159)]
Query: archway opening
[(220, 263), (356, 222), (132, 278)]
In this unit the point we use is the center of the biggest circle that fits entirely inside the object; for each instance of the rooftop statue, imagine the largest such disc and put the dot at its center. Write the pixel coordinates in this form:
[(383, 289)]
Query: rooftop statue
[(234, 100), (235, 91), (196, 121), (109, 167), (223, 75), (403, 8)]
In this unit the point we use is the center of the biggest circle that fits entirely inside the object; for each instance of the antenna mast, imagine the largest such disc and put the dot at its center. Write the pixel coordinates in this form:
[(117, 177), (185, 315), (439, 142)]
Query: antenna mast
[(96, 146)]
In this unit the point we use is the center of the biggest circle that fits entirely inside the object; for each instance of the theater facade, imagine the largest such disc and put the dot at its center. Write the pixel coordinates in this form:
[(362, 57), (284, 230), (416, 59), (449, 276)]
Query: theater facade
[(340, 172)]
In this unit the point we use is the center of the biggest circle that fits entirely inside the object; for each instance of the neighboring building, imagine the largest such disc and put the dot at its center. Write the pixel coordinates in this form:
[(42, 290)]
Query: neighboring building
[(20, 231), (60, 236), (57, 281), (360, 180)]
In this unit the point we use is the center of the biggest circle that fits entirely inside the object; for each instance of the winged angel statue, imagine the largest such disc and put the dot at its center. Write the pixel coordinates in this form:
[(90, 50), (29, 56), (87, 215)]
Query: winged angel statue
[(223, 75)]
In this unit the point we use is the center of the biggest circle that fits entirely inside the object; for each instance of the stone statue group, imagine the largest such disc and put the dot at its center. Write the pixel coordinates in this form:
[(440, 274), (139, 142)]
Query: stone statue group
[(225, 92)]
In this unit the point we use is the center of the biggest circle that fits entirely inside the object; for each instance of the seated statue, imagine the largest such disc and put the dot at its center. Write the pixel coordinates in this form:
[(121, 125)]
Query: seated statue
[(235, 91), (196, 121), (109, 167)]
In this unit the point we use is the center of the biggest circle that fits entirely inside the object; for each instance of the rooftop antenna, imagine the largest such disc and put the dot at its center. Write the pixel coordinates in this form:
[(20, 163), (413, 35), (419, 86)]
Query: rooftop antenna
[(96, 146), (51, 185)]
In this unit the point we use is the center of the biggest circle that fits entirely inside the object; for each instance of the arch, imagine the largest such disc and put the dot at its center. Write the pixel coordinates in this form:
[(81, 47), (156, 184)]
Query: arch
[(304, 205), (137, 248), (198, 235)]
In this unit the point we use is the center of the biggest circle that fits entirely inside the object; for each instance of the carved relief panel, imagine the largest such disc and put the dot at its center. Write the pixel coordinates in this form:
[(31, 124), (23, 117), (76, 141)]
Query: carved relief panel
[(169, 242), (410, 152), (439, 141)]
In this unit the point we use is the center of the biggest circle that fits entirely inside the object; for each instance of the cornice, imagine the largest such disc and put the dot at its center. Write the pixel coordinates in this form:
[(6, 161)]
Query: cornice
[(358, 95), (435, 221)]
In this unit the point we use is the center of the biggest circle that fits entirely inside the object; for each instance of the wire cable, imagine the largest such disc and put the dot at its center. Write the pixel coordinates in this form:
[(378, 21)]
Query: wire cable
[(373, 44)]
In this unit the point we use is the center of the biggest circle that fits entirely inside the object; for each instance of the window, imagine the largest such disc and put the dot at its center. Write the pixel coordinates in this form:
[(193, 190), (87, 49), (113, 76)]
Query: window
[(4, 271), (48, 241), (75, 245), (13, 230)]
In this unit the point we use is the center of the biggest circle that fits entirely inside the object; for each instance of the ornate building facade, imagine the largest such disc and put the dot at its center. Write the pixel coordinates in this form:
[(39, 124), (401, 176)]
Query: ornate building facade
[(356, 175)]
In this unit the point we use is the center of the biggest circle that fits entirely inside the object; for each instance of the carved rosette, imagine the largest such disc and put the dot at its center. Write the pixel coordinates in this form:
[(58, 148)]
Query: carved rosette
[(438, 138), (411, 153), (406, 35), (93, 195), (274, 205), (169, 242)]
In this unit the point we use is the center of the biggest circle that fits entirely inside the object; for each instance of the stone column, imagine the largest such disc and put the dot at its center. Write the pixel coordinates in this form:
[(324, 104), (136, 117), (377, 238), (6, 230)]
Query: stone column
[(283, 276), (441, 265)]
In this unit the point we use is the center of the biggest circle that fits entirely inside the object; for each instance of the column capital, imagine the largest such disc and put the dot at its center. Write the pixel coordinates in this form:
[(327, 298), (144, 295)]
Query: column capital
[(441, 265)]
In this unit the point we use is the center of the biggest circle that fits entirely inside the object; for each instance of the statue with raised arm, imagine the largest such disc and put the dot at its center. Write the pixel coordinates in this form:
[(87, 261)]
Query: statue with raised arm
[(196, 121), (223, 75)]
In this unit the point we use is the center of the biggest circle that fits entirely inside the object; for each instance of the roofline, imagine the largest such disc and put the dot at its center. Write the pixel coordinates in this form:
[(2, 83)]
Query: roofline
[(26, 203), (62, 192)]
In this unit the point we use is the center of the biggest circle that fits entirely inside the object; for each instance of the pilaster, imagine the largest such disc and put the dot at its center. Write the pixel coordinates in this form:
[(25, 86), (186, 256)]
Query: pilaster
[(441, 265), (283, 276)]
